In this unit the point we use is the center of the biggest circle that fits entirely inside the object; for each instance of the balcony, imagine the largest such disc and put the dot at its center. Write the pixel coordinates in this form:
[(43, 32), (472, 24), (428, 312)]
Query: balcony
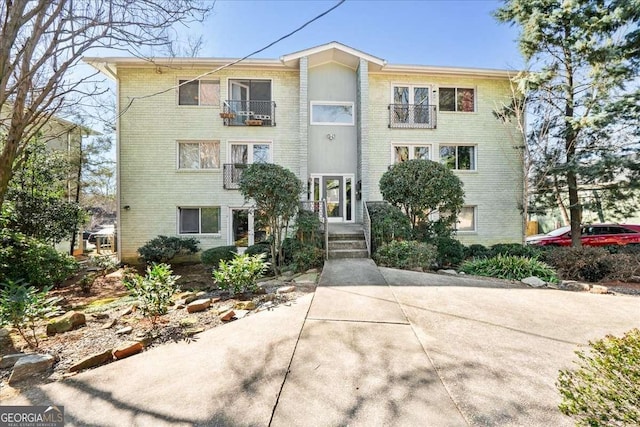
[(412, 116), (249, 113), (231, 173)]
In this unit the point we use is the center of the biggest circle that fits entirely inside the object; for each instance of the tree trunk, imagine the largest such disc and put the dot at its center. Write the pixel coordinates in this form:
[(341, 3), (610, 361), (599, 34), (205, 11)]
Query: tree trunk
[(570, 140), (77, 198)]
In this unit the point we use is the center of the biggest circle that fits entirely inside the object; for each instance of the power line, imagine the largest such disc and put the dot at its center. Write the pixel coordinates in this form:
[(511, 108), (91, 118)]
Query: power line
[(135, 98)]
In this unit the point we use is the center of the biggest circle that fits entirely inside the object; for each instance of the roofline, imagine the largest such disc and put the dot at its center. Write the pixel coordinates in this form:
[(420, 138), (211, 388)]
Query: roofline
[(333, 45), (458, 71)]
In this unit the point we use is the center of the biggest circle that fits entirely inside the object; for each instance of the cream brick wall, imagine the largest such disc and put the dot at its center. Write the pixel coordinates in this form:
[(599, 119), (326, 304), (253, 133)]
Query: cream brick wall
[(495, 187), (150, 183)]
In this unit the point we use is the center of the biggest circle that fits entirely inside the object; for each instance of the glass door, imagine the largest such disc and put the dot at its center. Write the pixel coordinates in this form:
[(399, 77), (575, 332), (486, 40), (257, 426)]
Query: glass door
[(240, 102), (338, 191), (333, 192), (248, 227)]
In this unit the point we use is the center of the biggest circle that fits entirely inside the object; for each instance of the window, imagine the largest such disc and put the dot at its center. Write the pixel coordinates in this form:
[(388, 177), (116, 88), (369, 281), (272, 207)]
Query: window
[(467, 219), (411, 104), (403, 152), (198, 154), (250, 152), (199, 92), (458, 157), (457, 99), (199, 220), (332, 113)]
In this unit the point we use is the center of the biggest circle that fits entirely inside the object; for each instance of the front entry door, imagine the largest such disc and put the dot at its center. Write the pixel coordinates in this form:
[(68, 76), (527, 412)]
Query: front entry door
[(337, 191)]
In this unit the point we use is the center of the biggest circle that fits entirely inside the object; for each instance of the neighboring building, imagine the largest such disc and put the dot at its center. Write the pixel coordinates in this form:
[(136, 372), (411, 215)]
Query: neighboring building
[(335, 116)]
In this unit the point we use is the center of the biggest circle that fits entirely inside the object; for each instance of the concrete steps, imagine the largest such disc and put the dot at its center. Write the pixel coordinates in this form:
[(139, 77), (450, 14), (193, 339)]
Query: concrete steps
[(347, 242)]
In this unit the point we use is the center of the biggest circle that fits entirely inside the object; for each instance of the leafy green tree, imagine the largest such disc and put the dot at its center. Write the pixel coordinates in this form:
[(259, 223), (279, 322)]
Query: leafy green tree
[(586, 56), (39, 205), (421, 188), (276, 193)]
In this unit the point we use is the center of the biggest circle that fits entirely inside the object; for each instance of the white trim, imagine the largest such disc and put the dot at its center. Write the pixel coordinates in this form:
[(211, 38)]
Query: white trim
[(460, 144), (343, 103), (394, 144), (332, 45), (249, 142), (206, 78), (455, 99), (431, 87), (218, 234), (199, 141), (229, 79), (344, 176)]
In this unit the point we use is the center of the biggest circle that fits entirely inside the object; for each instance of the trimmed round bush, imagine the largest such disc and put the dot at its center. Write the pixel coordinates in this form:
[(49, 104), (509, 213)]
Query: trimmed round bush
[(259, 248), (582, 263), (163, 249), (406, 255), (450, 251), (388, 223), (510, 267), (477, 251), (213, 256)]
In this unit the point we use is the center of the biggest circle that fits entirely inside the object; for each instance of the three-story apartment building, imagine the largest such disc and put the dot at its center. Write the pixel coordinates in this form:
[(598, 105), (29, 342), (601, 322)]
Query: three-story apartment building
[(335, 116)]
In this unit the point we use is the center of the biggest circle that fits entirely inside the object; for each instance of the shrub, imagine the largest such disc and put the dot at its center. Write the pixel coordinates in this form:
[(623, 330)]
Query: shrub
[(213, 256), (308, 227), (86, 283), (388, 223), (509, 267), (105, 264), (624, 267), (406, 255), (516, 249), (240, 274), (450, 251), (477, 251), (580, 263), (21, 306), (259, 248), (32, 261), (422, 187), (163, 249), (304, 256), (154, 290), (605, 387)]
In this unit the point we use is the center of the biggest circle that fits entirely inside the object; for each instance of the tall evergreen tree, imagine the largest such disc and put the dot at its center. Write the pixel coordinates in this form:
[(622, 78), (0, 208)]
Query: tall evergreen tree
[(584, 93)]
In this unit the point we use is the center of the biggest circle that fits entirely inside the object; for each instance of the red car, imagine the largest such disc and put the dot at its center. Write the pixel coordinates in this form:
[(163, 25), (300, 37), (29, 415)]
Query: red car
[(592, 235)]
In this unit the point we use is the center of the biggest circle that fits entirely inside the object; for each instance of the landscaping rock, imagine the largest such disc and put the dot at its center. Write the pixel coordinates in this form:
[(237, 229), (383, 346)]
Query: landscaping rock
[(286, 289), (227, 315), (190, 298), (192, 331), (599, 289), (10, 359), (239, 314), (93, 360), (448, 271), (30, 365), (109, 324), (215, 300), (125, 330), (65, 323), (311, 270), (245, 305), (306, 279), (534, 282), (100, 316), (188, 321), (575, 286), (127, 349), (127, 311), (4, 332), (198, 305)]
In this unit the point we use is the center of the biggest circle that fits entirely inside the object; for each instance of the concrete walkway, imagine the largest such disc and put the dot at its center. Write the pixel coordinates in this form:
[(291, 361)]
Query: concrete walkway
[(373, 346)]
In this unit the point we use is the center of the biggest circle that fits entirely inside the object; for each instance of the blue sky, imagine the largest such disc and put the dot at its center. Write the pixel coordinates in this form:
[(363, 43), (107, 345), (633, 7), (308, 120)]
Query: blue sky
[(428, 32)]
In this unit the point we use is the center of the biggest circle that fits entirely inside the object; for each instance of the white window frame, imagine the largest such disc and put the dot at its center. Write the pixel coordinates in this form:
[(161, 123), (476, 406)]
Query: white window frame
[(411, 86), (237, 79), (455, 98), (199, 233), (199, 105), (411, 152), (342, 103), (194, 141), (475, 220), (475, 155), (249, 152)]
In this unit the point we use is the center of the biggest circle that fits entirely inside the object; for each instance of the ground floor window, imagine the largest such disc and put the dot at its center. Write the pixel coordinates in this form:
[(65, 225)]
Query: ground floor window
[(458, 157), (467, 219), (205, 220)]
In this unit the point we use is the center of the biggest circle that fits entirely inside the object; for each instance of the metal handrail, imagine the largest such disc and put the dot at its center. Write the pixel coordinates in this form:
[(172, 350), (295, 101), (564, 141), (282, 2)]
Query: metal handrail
[(249, 113), (366, 225), (325, 217), (412, 116)]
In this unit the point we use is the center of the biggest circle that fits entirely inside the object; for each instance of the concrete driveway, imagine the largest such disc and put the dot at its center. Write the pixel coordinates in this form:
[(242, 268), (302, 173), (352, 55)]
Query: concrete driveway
[(372, 347)]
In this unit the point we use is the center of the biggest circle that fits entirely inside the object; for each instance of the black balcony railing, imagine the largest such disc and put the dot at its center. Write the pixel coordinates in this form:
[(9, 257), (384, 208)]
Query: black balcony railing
[(231, 173), (412, 116), (249, 113)]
